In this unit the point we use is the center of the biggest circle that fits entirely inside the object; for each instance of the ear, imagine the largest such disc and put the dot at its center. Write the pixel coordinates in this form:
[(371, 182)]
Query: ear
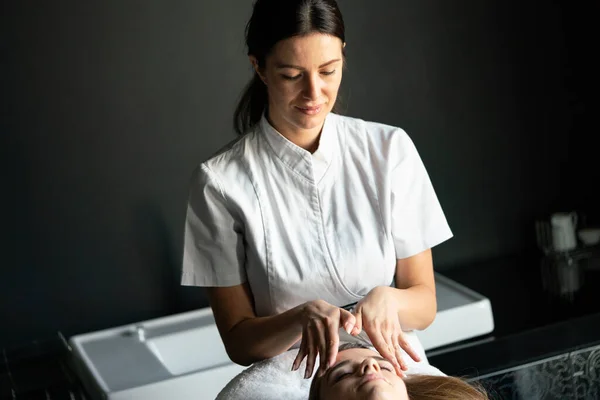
[(257, 68), (344, 45)]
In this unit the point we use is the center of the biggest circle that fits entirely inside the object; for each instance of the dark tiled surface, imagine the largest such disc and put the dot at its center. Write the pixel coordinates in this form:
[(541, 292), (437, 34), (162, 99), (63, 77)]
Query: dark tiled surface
[(38, 370), (586, 372), (569, 376), (518, 349), (531, 324), (549, 380)]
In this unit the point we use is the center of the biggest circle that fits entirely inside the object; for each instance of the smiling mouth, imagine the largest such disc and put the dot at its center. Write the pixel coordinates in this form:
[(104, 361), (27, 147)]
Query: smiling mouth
[(310, 110)]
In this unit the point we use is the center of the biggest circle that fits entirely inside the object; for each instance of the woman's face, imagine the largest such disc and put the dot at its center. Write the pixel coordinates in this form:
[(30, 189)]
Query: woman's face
[(362, 374), (303, 75)]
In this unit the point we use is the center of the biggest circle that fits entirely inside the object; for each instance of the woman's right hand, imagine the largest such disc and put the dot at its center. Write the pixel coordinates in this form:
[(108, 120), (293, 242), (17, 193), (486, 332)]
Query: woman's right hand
[(320, 324)]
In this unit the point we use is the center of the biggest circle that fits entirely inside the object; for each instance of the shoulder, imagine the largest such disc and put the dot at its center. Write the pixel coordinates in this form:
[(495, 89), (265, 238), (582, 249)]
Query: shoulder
[(230, 161), (386, 140), (231, 153)]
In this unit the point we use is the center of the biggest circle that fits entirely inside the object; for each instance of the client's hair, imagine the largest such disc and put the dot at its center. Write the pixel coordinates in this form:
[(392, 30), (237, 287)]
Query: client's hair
[(421, 387)]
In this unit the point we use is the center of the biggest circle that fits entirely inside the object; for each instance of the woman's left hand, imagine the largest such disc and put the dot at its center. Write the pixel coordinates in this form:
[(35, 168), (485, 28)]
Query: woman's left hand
[(377, 314)]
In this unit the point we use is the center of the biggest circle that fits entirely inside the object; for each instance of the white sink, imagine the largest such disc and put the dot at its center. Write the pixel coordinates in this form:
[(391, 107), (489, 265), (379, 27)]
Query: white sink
[(182, 357), (178, 354), (462, 314), (179, 357)]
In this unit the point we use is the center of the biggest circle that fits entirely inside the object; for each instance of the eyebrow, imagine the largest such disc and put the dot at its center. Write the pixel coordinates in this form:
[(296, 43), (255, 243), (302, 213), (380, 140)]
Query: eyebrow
[(279, 66), (345, 362)]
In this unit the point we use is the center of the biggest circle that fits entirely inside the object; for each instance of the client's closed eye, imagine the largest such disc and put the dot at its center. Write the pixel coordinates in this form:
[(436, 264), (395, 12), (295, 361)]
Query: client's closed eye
[(341, 376), (387, 366)]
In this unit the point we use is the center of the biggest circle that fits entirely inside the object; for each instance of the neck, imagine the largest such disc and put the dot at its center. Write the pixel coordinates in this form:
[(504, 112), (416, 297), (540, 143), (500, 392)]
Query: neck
[(308, 139)]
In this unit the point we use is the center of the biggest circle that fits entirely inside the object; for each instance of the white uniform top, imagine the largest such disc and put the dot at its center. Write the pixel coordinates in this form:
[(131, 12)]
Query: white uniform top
[(299, 226)]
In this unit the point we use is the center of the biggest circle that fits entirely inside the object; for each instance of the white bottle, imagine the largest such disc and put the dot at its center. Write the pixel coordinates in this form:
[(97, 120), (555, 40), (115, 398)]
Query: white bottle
[(564, 226)]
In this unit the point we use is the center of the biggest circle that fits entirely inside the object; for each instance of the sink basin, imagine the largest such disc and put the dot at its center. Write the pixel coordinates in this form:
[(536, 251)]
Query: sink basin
[(179, 356), (462, 314), (182, 357)]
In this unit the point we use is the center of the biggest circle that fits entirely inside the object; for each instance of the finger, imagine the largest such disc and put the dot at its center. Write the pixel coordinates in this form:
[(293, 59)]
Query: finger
[(333, 341), (398, 351), (312, 353), (301, 352), (405, 345), (347, 320), (385, 349), (358, 321), (322, 337), (394, 352)]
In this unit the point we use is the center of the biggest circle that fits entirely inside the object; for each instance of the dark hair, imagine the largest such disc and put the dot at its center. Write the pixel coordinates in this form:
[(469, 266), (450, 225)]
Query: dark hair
[(272, 21), (420, 387)]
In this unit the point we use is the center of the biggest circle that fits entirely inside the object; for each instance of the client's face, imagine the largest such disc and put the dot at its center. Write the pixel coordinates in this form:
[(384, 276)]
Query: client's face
[(362, 374)]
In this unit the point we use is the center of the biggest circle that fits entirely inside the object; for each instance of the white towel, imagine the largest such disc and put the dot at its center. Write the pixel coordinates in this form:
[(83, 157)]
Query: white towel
[(270, 379), (273, 379)]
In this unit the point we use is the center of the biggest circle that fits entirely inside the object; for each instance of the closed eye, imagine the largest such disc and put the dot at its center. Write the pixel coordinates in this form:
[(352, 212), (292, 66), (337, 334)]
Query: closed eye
[(295, 77), (341, 376)]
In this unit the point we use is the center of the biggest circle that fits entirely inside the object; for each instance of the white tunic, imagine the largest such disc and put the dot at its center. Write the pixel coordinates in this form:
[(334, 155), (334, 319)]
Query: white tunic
[(299, 226)]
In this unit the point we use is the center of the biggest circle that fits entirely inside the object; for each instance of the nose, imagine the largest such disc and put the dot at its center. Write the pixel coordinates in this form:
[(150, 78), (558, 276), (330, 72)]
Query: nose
[(312, 87), (369, 365)]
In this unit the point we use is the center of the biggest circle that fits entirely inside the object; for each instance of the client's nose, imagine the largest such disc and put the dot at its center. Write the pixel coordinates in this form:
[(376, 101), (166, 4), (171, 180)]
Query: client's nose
[(369, 365)]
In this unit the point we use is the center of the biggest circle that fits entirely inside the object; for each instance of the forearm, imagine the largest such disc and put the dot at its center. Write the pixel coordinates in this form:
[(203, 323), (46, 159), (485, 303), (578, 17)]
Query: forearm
[(256, 339), (417, 307)]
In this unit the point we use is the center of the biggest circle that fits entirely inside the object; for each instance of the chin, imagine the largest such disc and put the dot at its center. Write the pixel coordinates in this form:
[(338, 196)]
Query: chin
[(309, 121), (308, 125), (376, 390)]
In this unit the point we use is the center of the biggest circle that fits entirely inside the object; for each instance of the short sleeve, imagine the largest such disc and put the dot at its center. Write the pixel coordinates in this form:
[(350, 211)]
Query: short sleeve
[(213, 253), (418, 221)]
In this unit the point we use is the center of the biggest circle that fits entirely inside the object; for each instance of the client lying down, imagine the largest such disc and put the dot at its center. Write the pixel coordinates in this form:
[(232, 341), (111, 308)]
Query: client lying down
[(359, 372)]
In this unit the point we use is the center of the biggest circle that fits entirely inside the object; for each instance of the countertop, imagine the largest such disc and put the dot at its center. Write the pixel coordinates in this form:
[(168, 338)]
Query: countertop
[(531, 322)]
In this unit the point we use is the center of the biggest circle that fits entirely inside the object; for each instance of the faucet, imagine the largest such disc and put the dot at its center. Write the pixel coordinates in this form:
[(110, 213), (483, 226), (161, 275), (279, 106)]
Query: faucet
[(138, 331), (141, 333)]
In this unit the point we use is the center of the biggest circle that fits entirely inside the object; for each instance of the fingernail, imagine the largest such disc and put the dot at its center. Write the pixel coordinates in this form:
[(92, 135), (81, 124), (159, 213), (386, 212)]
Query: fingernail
[(348, 328), (306, 375)]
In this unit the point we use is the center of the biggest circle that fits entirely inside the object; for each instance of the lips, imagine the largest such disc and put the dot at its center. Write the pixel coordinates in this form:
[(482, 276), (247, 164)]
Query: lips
[(370, 378), (310, 110)]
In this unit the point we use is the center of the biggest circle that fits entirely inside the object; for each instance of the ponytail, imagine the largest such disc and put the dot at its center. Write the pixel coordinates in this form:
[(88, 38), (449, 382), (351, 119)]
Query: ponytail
[(251, 106)]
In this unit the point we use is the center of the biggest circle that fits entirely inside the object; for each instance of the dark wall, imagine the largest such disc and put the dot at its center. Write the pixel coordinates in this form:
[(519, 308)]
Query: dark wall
[(583, 77), (108, 106)]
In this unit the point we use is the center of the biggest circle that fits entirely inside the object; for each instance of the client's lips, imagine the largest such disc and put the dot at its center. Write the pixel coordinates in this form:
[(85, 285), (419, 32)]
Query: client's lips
[(370, 378)]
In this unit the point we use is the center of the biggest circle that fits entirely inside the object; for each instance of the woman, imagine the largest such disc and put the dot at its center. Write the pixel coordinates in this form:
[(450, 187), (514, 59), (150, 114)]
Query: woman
[(309, 211), (360, 373)]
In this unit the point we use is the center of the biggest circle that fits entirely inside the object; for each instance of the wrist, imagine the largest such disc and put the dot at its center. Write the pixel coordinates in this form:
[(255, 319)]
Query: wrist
[(384, 290), (297, 315)]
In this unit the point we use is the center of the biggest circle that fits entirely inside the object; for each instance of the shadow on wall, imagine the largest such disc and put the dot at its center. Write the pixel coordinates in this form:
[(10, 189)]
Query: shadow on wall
[(156, 250)]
